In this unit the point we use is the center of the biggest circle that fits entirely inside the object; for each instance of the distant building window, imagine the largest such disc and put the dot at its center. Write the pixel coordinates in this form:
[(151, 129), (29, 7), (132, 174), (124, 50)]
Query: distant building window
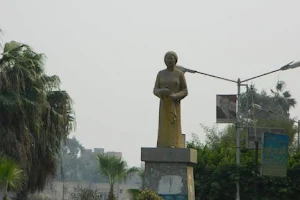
[(121, 190)]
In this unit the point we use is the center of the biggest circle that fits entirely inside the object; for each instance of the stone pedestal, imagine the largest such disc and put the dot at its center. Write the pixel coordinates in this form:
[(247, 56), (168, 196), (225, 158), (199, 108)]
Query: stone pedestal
[(169, 172)]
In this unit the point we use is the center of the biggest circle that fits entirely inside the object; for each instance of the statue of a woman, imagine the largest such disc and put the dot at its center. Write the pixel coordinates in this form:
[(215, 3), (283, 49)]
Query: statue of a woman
[(171, 88)]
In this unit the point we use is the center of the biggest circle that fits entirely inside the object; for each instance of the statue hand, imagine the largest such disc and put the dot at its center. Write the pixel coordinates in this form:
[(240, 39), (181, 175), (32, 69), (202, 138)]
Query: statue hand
[(173, 96), (165, 92)]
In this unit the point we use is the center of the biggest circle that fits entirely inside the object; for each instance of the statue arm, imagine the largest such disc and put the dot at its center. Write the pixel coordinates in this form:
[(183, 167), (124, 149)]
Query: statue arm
[(183, 88), (156, 89)]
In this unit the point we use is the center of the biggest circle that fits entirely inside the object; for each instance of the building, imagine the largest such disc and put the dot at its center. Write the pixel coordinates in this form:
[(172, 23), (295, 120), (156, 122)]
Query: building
[(59, 190), (113, 153), (99, 150), (86, 152), (89, 152)]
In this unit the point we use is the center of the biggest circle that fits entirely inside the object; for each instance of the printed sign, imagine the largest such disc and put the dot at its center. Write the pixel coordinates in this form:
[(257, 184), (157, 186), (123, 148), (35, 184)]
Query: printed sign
[(275, 155), (226, 108)]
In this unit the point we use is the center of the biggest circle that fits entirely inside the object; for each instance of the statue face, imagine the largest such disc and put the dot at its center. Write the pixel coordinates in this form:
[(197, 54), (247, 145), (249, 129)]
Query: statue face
[(170, 60)]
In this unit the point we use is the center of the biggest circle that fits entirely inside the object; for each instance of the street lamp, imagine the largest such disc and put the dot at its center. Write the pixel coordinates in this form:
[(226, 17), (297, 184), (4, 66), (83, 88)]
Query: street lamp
[(239, 83)]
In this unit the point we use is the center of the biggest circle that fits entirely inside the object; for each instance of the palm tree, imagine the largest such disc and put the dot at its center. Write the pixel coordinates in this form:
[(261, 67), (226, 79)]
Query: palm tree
[(115, 169), (36, 116), (279, 101), (282, 99), (11, 175)]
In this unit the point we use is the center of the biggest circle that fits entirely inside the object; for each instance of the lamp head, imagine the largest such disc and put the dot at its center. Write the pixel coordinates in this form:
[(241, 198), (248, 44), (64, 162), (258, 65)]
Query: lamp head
[(290, 65), (295, 65)]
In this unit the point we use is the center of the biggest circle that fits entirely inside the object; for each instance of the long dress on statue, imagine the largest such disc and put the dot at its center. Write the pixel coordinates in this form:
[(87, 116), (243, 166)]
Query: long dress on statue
[(169, 128)]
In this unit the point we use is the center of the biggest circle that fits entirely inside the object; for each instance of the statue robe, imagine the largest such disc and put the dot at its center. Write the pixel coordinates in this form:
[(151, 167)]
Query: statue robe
[(169, 126)]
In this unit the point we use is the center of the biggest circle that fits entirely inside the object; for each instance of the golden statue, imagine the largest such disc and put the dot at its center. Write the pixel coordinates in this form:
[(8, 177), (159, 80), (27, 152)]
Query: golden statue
[(171, 88)]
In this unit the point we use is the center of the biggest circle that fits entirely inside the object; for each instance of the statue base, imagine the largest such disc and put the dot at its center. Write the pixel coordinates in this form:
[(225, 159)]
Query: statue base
[(169, 172)]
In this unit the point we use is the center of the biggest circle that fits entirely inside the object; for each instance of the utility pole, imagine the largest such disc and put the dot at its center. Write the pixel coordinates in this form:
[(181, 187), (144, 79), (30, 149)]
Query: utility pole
[(238, 139), (256, 153), (298, 147)]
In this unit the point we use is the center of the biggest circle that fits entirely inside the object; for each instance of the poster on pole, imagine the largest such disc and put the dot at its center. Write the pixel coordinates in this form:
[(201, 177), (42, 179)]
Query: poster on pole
[(258, 133), (274, 155), (226, 108)]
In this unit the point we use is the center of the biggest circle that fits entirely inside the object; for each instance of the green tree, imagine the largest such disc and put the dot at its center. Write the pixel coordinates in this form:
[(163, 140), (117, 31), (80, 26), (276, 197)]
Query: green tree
[(115, 169), (77, 163), (69, 163), (279, 101), (216, 171), (12, 176), (282, 99), (36, 116), (276, 109), (89, 167)]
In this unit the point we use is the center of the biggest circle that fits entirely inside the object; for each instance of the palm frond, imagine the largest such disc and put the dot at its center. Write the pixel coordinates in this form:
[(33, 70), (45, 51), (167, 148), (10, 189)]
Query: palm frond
[(272, 91), (11, 174), (286, 94), (280, 86), (12, 47), (51, 82), (292, 102), (114, 168)]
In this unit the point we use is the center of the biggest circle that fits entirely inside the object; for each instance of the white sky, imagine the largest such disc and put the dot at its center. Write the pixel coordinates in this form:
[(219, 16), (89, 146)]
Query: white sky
[(107, 54)]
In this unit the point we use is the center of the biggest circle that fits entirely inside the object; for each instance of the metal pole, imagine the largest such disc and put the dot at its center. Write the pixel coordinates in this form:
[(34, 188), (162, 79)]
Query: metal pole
[(256, 152), (298, 135), (256, 170), (238, 137), (256, 166)]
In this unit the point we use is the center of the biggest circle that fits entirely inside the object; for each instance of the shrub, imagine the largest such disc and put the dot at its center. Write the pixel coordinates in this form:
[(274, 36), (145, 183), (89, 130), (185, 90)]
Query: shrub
[(148, 195), (85, 194), (134, 193)]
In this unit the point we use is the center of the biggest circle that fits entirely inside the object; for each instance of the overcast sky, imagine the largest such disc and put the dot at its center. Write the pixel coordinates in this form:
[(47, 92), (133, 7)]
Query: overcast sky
[(107, 54)]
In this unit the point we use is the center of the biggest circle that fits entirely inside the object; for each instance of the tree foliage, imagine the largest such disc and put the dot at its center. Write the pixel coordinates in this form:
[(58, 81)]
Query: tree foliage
[(278, 101), (276, 106), (216, 172), (115, 169), (85, 194), (36, 116), (75, 163), (12, 176), (148, 195)]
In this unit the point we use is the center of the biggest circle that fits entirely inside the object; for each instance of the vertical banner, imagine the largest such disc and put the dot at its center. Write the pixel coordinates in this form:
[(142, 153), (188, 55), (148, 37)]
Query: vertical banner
[(226, 108), (275, 155)]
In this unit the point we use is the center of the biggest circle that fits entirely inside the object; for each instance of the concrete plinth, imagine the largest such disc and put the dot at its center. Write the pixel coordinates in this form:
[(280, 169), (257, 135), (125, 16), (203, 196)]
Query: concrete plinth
[(169, 172)]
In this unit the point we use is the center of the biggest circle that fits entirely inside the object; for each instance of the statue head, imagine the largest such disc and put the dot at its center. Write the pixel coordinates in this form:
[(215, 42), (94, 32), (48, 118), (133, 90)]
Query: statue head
[(171, 58)]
